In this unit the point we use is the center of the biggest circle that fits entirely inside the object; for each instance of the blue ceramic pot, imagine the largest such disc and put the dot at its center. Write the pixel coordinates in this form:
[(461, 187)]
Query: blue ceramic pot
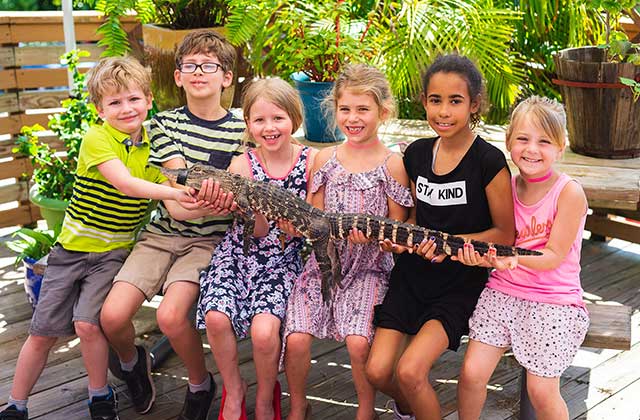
[(317, 128), (32, 281)]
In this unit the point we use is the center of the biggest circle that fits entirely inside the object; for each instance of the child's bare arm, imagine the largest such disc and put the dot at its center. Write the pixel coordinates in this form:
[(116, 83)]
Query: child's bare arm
[(119, 176), (572, 206)]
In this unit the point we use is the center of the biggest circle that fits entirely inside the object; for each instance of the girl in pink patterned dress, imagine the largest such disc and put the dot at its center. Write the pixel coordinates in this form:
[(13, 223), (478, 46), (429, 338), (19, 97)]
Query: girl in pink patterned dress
[(359, 176)]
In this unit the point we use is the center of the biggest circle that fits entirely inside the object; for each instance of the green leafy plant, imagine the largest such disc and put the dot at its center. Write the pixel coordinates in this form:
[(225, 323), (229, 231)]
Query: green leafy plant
[(315, 37), (633, 85), (188, 14), (114, 37), (32, 243), (174, 14), (400, 37), (54, 172), (616, 42)]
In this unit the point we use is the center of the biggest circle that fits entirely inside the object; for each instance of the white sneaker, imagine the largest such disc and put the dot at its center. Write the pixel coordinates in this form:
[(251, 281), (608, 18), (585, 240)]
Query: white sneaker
[(397, 415)]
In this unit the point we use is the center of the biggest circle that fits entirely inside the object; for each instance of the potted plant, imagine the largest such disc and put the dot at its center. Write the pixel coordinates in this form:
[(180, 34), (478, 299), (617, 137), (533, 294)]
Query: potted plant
[(53, 173), (32, 245), (308, 41), (599, 86)]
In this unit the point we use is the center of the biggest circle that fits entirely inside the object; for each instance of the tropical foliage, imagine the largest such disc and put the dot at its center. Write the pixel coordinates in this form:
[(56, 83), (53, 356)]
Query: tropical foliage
[(32, 243), (175, 14), (401, 38), (546, 27), (54, 172), (189, 14), (114, 37)]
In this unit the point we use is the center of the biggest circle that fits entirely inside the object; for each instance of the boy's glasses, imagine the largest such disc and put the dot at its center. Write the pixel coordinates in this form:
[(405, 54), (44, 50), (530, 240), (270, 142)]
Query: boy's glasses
[(205, 67)]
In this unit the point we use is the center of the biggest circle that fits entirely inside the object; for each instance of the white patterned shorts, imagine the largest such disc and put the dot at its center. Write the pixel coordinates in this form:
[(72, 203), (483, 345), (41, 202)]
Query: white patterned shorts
[(544, 337)]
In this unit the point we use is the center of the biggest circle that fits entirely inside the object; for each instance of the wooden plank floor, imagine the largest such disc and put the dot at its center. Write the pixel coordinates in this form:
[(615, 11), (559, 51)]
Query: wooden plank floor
[(601, 384)]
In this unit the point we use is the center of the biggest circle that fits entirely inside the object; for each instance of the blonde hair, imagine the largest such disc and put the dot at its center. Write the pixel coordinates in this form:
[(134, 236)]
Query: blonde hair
[(206, 41), (279, 93), (362, 79), (117, 73), (547, 114)]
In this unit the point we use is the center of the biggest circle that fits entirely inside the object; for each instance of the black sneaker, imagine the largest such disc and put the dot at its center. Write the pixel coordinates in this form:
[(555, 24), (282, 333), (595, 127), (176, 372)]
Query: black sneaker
[(104, 407), (12, 413), (141, 388), (196, 405)]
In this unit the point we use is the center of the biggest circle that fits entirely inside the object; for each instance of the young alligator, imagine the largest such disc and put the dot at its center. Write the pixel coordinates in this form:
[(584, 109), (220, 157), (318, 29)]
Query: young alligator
[(318, 226)]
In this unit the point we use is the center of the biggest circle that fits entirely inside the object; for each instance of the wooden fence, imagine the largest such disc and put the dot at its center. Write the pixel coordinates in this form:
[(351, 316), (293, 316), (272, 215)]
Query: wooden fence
[(31, 88)]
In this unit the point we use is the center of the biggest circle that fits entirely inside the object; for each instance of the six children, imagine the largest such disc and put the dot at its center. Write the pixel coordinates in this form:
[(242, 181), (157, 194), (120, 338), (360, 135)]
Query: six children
[(416, 320)]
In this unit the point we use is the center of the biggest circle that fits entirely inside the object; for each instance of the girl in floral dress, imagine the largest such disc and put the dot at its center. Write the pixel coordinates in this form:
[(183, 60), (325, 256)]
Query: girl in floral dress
[(248, 293), (359, 176)]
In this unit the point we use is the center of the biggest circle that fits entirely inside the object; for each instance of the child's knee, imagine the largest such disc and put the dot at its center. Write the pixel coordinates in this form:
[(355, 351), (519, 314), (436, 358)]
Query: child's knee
[(298, 344), (41, 343), (217, 322), (378, 375), (264, 339), (112, 319), (358, 348), (541, 393), (410, 375), (470, 376), (87, 331), (171, 320)]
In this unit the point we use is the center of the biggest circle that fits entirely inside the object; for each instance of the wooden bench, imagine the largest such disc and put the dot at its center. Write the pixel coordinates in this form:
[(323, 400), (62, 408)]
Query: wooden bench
[(610, 328)]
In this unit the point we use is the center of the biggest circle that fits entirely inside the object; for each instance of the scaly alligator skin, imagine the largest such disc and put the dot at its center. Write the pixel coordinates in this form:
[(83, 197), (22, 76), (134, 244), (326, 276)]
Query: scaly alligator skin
[(321, 227)]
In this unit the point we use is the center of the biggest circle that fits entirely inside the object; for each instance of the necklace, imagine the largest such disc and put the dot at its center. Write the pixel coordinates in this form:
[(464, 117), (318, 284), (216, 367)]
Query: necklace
[(540, 179), (266, 164)]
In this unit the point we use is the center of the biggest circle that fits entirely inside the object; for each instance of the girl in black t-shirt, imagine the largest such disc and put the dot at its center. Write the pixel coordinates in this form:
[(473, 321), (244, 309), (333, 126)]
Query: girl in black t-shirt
[(461, 185)]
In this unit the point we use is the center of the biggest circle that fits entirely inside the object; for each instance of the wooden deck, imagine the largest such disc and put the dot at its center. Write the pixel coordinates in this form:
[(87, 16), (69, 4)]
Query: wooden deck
[(601, 384)]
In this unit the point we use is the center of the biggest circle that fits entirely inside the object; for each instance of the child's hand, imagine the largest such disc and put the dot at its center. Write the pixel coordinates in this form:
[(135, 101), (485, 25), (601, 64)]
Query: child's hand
[(501, 263), (209, 191), (467, 255), (186, 200), (427, 250), (387, 246), (287, 227), (223, 204), (357, 237)]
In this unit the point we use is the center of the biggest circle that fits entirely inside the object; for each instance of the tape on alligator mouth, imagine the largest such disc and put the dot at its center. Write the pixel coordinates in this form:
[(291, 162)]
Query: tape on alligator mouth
[(182, 177)]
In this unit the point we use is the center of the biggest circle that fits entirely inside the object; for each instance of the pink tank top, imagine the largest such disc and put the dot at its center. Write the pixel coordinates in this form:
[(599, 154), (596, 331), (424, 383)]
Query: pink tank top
[(533, 227)]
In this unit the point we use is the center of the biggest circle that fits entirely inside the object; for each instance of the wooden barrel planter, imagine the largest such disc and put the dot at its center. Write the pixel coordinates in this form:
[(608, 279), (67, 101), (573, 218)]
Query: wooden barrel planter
[(602, 118)]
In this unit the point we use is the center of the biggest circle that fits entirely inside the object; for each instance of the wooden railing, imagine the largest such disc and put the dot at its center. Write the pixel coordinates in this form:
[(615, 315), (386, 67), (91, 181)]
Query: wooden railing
[(32, 84)]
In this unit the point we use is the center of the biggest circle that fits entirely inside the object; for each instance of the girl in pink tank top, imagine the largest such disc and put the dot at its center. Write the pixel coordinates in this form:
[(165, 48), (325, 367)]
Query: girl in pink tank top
[(531, 304)]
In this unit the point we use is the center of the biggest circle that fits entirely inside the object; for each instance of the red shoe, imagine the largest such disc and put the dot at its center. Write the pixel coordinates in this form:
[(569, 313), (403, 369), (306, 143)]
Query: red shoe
[(243, 412), (277, 401), (224, 397)]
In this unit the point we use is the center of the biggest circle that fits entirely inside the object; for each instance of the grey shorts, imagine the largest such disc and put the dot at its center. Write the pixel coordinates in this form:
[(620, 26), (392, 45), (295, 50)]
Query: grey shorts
[(74, 287), (159, 260), (544, 337)]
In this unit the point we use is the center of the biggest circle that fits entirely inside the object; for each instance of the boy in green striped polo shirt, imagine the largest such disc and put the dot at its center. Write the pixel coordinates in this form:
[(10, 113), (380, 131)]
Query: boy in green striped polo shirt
[(172, 251), (113, 185)]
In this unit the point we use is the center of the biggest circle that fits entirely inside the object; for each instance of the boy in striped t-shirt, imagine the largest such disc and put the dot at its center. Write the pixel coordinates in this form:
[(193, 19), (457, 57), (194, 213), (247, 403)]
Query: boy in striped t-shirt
[(172, 251), (110, 196)]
